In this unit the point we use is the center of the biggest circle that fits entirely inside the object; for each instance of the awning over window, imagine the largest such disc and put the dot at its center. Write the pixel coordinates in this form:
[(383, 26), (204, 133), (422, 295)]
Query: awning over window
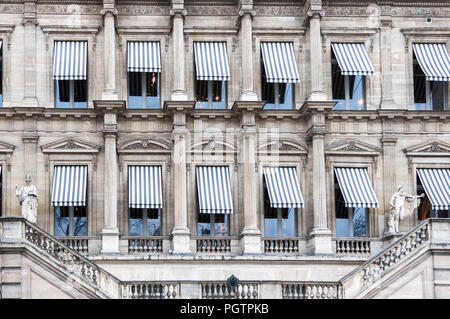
[(143, 57), (279, 62), (356, 187), (144, 187), (283, 187), (211, 61), (434, 60), (214, 191), (353, 59), (69, 186), (436, 182), (70, 60)]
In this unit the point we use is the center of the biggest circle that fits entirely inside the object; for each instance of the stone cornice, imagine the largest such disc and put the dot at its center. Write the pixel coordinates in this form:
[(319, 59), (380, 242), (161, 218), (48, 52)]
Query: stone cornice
[(189, 30), (64, 29), (212, 114), (128, 30), (109, 106)]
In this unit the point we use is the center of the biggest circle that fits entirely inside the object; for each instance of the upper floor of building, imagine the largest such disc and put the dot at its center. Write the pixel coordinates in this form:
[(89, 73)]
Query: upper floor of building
[(364, 56)]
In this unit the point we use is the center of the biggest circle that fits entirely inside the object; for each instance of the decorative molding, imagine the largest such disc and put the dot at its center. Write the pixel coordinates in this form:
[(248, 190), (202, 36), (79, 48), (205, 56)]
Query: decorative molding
[(145, 145), (352, 148), (143, 10), (283, 147), (213, 145), (216, 10), (68, 9), (70, 145), (279, 11), (12, 8), (429, 149)]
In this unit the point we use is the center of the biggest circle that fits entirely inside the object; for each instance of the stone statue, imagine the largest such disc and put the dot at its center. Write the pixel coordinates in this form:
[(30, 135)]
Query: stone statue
[(28, 199), (398, 210)]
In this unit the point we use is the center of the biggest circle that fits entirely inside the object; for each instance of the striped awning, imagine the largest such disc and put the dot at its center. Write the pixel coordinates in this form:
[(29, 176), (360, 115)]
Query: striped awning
[(283, 187), (69, 186), (214, 191), (353, 59), (143, 57), (279, 62), (144, 187), (211, 61), (436, 182), (434, 60), (70, 60), (356, 187)]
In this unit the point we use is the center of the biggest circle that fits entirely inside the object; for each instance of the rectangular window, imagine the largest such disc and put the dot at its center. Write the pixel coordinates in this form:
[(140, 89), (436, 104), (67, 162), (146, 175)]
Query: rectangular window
[(71, 93), (212, 224), (347, 90), (144, 222), (70, 221), (436, 203), (277, 96), (428, 95), (144, 90), (278, 222), (210, 94)]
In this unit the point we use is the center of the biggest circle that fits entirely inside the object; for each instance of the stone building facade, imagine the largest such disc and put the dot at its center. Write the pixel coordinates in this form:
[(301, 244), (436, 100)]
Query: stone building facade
[(390, 135)]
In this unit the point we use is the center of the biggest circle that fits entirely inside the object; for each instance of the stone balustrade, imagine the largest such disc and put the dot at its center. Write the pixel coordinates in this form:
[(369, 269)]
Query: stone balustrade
[(353, 246), (220, 290), (280, 245), (145, 244), (311, 291), (150, 290), (79, 244), (220, 245)]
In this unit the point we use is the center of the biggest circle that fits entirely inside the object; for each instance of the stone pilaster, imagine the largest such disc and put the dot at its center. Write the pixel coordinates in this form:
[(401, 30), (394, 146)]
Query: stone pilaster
[(388, 142), (110, 232), (178, 13), (250, 235), (319, 238), (109, 13), (246, 14), (387, 101), (181, 140), (315, 12), (29, 45)]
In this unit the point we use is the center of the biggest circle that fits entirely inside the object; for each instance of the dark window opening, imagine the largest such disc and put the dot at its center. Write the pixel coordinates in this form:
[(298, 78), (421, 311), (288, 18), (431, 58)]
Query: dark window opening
[(276, 95), (71, 93), (71, 221), (425, 210), (210, 94), (143, 89), (144, 222)]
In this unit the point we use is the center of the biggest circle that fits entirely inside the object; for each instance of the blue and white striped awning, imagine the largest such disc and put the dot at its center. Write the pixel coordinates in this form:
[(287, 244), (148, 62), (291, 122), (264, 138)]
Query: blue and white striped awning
[(70, 60), (214, 191), (143, 57), (434, 60), (283, 187), (144, 187), (69, 186), (353, 59), (279, 62), (356, 187), (436, 182), (211, 61)]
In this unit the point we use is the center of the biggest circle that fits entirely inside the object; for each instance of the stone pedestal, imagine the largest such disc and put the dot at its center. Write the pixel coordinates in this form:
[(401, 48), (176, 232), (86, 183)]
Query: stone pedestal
[(110, 233), (250, 235)]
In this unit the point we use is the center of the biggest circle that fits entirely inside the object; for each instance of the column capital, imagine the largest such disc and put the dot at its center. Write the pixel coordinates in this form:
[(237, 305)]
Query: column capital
[(178, 12), (111, 10)]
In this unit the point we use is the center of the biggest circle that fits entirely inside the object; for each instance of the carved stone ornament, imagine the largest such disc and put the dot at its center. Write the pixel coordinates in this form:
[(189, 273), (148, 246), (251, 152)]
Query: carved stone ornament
[(435, 148), (144, 145), (351, 147)]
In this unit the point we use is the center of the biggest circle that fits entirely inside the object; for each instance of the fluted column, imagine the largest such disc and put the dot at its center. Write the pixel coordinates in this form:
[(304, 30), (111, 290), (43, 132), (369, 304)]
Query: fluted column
[(110, 232), (109, 92), (248, 90), (316, 56), (179, 90), (29, 22)]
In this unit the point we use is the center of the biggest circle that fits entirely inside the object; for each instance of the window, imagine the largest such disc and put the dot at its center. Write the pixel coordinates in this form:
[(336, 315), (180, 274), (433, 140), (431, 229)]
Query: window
[(350, 221), (70, 221), (348, 90), (211, 73), (428, 95), (278, 222), (70, 74), (144, 222), (212, 224), (278, 74), (144, 70), (432, 183)]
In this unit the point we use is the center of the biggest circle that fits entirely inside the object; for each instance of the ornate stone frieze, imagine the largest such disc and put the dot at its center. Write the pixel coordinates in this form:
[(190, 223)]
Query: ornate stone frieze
[(70, 145), (12, 8), (143, 10), (283, 11), (212, 10), (282, 146), (144, 145), (68, 9), (345, 11), (352, 147)]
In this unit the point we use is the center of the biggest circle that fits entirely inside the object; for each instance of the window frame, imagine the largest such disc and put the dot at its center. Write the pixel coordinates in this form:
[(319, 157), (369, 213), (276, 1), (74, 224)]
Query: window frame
[(144, 91), (71, 217)]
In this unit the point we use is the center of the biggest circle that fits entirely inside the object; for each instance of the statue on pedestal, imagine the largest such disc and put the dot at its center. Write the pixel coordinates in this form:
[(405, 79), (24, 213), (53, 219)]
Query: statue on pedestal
[(402, 205), (28, 199)]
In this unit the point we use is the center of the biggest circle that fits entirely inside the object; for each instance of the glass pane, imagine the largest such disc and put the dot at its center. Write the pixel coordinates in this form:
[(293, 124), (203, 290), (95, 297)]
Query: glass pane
[(135, 90), (201, 94), (359, 222), (442, 213), (356, 94), (203, 224), (62, 88), (219, 94), (438, 95), (221, 226), (136, 222), (342, 227), (270, 227), (152, 92), (288, 223), (62, 221), (285, 96), (154, 222)]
